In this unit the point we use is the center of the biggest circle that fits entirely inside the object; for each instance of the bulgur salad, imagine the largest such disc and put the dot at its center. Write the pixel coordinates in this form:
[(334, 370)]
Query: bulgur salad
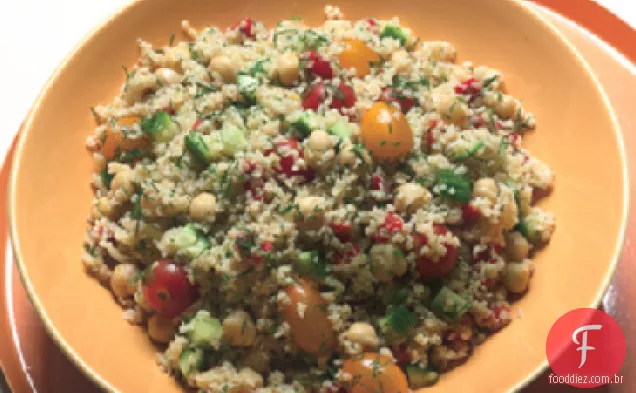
[(339, 208)]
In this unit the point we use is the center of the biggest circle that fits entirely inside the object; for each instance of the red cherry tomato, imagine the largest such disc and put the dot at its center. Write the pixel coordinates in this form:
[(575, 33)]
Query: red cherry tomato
[(343, 97), (345, 257), (392, 225), (470, 214), (245, 27), (167, 289), (390, 95), (285, 148), (468, 87), (318, 66), (342, 231), (314, 96), (197, 124), (430, 269)]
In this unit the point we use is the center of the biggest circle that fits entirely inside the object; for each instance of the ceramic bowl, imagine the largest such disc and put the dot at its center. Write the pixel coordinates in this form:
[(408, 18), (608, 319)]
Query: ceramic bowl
[(577, 135)]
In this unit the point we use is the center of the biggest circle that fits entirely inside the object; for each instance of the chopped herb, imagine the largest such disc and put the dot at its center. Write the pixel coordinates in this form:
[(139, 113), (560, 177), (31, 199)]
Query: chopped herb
[(171, 39), (443, 79), (133, 155), (94, 113), (107, 178), (399, 320), (296, 18), (503, 146), (470, 153), (454, 186), (488, 81)]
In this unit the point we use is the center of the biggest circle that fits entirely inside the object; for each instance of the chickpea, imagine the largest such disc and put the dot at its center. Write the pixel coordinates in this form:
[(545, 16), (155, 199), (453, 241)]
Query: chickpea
[(312, 212), (451, 108), (363, 334), (517, 276), (348, 156), (121, 281), (105, 207), (225, 67), (517, 247), (239, 329), (123, 181), (387, 262), (203, 207), (486, 187), (167, 76), (161, 329), (411, 197), (287, 68), (507, 107), (320, 140), (401, 60)]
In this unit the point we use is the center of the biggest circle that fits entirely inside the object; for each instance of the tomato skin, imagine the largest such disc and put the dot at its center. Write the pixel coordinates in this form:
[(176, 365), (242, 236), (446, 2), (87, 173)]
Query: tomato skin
[(167, 289), (373, 373), (357, 55), (342, 231), (313, 333), (378, 183), (470, 214), (314, 96), (288, 160), (393, 224), (345, 258), (385, 132), (343, 97), (318, 66), (391, 95), (245, 27), (430, 269)]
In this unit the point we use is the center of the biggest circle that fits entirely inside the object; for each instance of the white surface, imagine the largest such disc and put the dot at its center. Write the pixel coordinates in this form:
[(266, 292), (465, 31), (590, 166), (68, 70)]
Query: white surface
[(37, 34)]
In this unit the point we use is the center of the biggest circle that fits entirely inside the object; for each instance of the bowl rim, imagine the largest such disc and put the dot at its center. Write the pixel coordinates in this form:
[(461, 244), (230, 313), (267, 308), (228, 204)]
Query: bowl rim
[(106, 386)]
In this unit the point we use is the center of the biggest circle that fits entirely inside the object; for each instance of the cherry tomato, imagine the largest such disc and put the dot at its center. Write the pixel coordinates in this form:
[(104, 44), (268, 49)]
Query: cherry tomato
[(430, 269), (245, 27), (318, 66), (345, 258), (116, 140), (358, 55), (342, 231), (312, 332), (314, 96), (470, 214), (391, 95), (343, 97), (392, 224), (385, 132), (284, 149), (167, 289), (374, 373)]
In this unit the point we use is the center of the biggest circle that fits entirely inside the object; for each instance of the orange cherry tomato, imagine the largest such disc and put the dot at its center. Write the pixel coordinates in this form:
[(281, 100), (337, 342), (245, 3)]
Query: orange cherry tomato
[(116, 140), (312, 332), (358, 55), (385, 132), (374, 373)]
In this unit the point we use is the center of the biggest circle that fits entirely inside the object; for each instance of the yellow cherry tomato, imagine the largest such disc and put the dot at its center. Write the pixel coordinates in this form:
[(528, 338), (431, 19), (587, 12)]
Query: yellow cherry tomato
[(385, 132), (116, 140), (358, 55), (373, 373), (312, 331)]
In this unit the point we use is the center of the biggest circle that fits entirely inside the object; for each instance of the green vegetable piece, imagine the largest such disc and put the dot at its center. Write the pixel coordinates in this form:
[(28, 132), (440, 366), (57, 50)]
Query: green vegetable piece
[(160, 127), (247, 85), (449, 305), (306, 123), (190, 360), (420, 377), (198, 147), (398, 320), (454, 186), (205, 330), (467, 153), (341, 129), (191, 242), (107, 178), (399, 296), (233, 140), (258, 68), (395, 32), (310, 265)]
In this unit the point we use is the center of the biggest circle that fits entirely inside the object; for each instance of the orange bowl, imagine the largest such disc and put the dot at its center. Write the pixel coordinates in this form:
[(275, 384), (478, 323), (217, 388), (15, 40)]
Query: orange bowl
[(577, 135)]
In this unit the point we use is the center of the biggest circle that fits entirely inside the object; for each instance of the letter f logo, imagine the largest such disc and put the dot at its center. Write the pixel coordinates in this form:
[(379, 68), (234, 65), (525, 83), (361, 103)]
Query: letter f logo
[(584, 347)]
